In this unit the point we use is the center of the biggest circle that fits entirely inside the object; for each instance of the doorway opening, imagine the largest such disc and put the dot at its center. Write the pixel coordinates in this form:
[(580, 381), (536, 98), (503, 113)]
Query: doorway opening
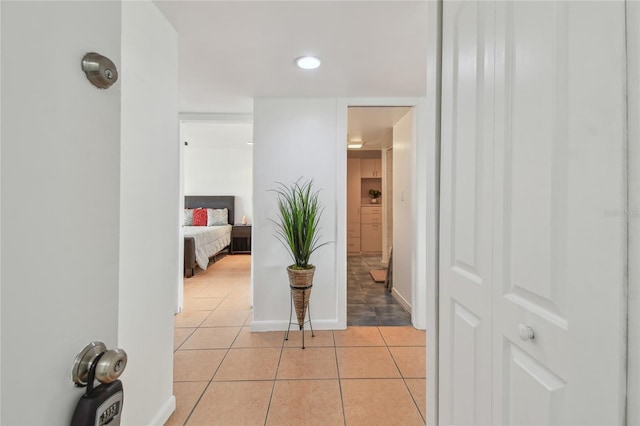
[(216, 159), (372, 175)]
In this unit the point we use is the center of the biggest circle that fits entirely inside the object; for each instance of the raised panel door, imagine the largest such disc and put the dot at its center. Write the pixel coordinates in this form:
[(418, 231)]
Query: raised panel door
[(558, 259), (465, 215), (532, 252)]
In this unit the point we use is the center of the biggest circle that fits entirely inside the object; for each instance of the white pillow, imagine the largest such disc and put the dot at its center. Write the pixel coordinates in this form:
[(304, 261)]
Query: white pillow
[(217, 217), (187, 217)]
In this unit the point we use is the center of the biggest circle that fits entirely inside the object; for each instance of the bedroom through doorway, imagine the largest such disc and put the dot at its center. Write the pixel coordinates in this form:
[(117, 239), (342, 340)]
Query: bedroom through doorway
[(216, 159)]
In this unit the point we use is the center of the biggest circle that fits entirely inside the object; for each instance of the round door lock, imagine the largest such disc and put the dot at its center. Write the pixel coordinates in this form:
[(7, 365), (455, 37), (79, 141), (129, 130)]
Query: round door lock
[(84, 360), (100, 70), (526, 332), (111, 365)]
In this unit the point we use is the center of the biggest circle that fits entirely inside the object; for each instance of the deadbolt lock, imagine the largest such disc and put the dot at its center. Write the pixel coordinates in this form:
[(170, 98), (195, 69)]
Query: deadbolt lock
[(100, 70)]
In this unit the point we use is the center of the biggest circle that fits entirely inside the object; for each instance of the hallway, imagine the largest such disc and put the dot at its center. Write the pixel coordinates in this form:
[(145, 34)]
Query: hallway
[(369, 302), (224, 374)]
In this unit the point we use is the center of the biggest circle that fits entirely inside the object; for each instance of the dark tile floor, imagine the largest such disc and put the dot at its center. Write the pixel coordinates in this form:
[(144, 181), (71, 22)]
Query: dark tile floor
[(369, 302)]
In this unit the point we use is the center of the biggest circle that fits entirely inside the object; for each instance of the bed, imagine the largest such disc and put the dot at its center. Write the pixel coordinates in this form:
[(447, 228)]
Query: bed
[(201, 243)]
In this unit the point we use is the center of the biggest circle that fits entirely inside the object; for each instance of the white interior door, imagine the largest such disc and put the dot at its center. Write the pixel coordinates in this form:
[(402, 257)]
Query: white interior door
[(466, 205), (533, 201)]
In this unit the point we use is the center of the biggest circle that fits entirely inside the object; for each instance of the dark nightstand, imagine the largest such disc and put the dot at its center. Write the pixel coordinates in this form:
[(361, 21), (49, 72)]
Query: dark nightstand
[(240, 239)]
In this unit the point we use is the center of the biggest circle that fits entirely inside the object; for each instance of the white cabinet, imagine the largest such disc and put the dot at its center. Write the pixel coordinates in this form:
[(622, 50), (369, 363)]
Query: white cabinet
[(370, 167), (371, 229), (364, 223), (353, 205), (353, 190)]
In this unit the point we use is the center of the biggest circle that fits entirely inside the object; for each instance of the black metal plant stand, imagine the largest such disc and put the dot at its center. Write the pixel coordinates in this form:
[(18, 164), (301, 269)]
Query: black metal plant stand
[(286, 336)]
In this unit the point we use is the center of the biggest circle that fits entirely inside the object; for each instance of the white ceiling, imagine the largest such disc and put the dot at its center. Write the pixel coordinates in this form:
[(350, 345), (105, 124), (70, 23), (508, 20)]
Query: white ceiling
[(232, 51), (374, 125)]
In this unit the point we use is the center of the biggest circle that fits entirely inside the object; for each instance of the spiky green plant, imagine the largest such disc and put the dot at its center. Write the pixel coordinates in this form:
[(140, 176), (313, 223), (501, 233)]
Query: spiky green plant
[(299, 217)]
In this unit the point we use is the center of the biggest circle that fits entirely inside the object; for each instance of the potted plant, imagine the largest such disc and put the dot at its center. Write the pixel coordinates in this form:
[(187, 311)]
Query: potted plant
[(298, 229), (374, 194)]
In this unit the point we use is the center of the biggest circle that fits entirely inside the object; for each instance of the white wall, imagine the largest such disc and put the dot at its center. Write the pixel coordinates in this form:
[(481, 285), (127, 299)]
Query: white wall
[(149, 219), (60, 202), (404, 228), (431, 140), (0, 217), (218, 161), (633, 81), (294, 138)]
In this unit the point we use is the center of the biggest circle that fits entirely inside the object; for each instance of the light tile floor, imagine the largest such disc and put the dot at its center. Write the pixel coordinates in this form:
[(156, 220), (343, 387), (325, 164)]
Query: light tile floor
[(226, 375)]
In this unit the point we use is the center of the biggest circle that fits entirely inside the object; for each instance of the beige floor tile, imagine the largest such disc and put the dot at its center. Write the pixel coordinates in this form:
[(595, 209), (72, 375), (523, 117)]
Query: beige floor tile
[(306, 402), (403, 336), (187, 394), (226, 318), (267, 339), (201, 303), (190, 319), (379, 402), (214, 291), (366, 362), (211, 338), (412, 361), (249, 364), (305, 390), (418, 389), (191, 289), (358, 336), (180, 335), (323, 338), (233, 403), (236, 277), (309, 363), (234, 304), (201, 277), (196, 366)]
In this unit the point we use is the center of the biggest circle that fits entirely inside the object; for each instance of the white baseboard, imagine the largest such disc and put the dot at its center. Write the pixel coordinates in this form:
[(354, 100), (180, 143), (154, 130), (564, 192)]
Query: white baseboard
[(165, 412), (260, 326), (406, 305)]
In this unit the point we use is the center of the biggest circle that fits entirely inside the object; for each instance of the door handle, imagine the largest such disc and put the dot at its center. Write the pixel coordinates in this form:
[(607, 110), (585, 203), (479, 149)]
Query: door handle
[(526, 332)]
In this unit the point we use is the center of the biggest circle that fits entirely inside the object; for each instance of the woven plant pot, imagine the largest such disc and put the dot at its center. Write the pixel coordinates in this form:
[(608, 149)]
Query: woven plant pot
[(300, 282)]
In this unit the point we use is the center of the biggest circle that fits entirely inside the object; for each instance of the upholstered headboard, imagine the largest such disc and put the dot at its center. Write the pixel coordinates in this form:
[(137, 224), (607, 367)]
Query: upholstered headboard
[(211, 202)]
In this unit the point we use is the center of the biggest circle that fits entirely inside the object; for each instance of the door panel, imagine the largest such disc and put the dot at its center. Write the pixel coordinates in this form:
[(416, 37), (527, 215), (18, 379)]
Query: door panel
[(465, 263), (535, 395), (535, 153), (467, 379), (533, 164), (554, 118)]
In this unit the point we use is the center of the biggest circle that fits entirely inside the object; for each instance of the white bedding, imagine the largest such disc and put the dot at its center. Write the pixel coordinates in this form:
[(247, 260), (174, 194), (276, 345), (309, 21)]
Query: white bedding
[(209, 240)]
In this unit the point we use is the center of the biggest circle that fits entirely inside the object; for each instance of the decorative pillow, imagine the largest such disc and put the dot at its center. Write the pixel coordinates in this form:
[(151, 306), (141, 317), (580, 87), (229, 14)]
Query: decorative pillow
[(187, 217), (217, 217), (200, 217)]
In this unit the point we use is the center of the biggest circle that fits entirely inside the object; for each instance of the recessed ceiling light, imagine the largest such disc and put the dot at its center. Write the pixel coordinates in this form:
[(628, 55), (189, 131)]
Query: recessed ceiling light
[(308, 62), (250, 143), (354, 145)]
